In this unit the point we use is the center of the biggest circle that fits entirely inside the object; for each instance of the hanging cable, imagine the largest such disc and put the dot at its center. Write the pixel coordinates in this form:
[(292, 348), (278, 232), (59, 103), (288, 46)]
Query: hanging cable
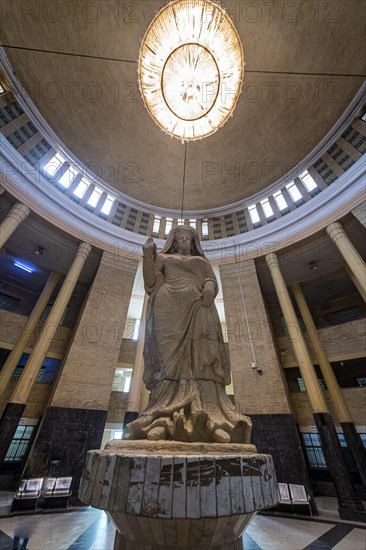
[(184, 179), (246, 316)]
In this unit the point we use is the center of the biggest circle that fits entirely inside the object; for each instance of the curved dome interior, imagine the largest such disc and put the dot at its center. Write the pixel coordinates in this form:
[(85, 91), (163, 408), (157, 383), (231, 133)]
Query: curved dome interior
[(79, 66)]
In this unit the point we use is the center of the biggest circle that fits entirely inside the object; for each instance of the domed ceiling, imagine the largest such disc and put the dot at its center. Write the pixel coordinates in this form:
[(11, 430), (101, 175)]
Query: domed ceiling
[(304, 62)]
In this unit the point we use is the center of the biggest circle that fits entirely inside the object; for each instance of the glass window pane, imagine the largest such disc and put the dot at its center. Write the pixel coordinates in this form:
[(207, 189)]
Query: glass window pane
[(156, 226), (267, 209), (253, 213), (53, 165), (168, 225), (280, 200), (308, 181), (294, 192), (107, 206), (81, 188), (204, 227), (94, 197), (68, 177)]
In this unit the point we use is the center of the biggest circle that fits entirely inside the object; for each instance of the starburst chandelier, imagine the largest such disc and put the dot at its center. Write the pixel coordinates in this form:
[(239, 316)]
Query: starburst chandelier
[(191, 67)]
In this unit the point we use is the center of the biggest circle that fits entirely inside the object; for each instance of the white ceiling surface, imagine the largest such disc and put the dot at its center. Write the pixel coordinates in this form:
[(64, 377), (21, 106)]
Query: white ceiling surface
[(95, 109)]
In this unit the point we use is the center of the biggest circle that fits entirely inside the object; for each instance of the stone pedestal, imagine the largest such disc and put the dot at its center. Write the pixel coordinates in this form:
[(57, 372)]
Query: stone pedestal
[(168, 495)]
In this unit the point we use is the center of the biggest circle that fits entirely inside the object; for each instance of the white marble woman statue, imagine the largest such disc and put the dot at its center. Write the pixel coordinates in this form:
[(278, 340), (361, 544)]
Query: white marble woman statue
[(186, 364)]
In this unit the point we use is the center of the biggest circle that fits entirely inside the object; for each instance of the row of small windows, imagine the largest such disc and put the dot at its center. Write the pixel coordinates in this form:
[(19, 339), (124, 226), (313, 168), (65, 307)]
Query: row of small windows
[(81, 189), (52, 170), (280, 200), (314, 451)]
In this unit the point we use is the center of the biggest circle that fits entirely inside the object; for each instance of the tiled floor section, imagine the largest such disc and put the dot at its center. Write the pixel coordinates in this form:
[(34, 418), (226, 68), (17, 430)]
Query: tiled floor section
[(91, 529)]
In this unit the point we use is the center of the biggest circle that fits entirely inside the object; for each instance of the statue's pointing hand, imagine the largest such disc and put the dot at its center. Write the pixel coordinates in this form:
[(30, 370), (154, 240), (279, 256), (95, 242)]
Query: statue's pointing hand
[(149, 248)]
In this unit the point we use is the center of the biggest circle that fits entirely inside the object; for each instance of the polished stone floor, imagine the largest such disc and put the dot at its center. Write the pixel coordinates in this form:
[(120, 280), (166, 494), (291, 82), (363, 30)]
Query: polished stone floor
[(91, 529)]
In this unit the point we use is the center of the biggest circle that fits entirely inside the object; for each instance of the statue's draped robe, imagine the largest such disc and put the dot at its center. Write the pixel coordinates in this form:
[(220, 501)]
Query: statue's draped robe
[(186, 363)]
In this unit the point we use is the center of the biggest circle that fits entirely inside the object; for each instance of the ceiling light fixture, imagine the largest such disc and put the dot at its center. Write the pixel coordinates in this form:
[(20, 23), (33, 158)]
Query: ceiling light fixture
[(191, 68), (23, 267)]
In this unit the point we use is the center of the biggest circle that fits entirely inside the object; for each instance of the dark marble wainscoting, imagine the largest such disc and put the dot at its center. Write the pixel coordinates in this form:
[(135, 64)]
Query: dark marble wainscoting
[(350, 506), (8, 424), (354, 442), (277, 435), (63, 439)]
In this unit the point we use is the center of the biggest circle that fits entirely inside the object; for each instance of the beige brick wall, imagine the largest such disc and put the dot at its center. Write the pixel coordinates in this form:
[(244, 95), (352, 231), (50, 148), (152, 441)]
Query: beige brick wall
[(341, 342), (12, 324), (355, 399), (254, 393), (87, 375)]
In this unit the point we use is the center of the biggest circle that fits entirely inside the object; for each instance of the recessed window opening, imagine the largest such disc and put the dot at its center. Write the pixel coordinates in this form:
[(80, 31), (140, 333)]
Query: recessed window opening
[(361, 381), (204, 228), (364, 117), (81, 188), (156, 226), (253, 213), (280, 200), (267, 209), (294, 192), (193, 223), (107, 206), (69, 176), (308, 181), (168, 225), (53, 165), (122, 380), (2, 89), (94, 197)]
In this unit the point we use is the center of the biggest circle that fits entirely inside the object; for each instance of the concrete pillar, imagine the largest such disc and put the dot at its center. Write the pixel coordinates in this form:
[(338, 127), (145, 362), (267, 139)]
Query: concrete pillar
[(260, 392), (350, 433), (350, 506), (75, 417), (349, 253), (297, 340), (18, 213), (14, 409), (16, 353)]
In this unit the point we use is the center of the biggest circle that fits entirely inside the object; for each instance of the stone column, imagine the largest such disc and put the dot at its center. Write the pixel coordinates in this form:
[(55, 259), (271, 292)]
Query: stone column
[(14, 409), (260, 392), (135, 394), (352, 438), (350, 507), (76, 414), (18, 213), (349, 253), (16, 353)]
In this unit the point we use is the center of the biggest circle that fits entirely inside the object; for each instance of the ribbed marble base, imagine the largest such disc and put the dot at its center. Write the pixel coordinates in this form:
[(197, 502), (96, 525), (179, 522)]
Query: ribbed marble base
[(161, 501)]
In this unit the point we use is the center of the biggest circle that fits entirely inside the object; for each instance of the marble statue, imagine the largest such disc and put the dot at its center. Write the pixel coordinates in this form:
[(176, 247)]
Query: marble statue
[(186, 363)]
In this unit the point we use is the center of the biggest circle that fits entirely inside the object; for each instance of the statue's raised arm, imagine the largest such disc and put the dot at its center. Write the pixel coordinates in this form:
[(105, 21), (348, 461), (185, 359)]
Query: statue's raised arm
[(186, 361)]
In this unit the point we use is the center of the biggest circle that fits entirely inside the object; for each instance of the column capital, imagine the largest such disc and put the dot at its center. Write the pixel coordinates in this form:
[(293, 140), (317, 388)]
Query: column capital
[(19, 211), (335, 230), (272, 260), (84, 250)]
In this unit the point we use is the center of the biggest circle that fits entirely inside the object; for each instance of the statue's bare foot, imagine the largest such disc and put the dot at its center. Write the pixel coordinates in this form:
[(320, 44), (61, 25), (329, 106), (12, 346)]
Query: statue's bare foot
[(156, 434), (221, 436)]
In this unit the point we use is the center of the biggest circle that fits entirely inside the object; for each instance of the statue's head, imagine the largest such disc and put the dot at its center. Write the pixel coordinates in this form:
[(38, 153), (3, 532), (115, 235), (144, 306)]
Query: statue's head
[(180, 232)]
